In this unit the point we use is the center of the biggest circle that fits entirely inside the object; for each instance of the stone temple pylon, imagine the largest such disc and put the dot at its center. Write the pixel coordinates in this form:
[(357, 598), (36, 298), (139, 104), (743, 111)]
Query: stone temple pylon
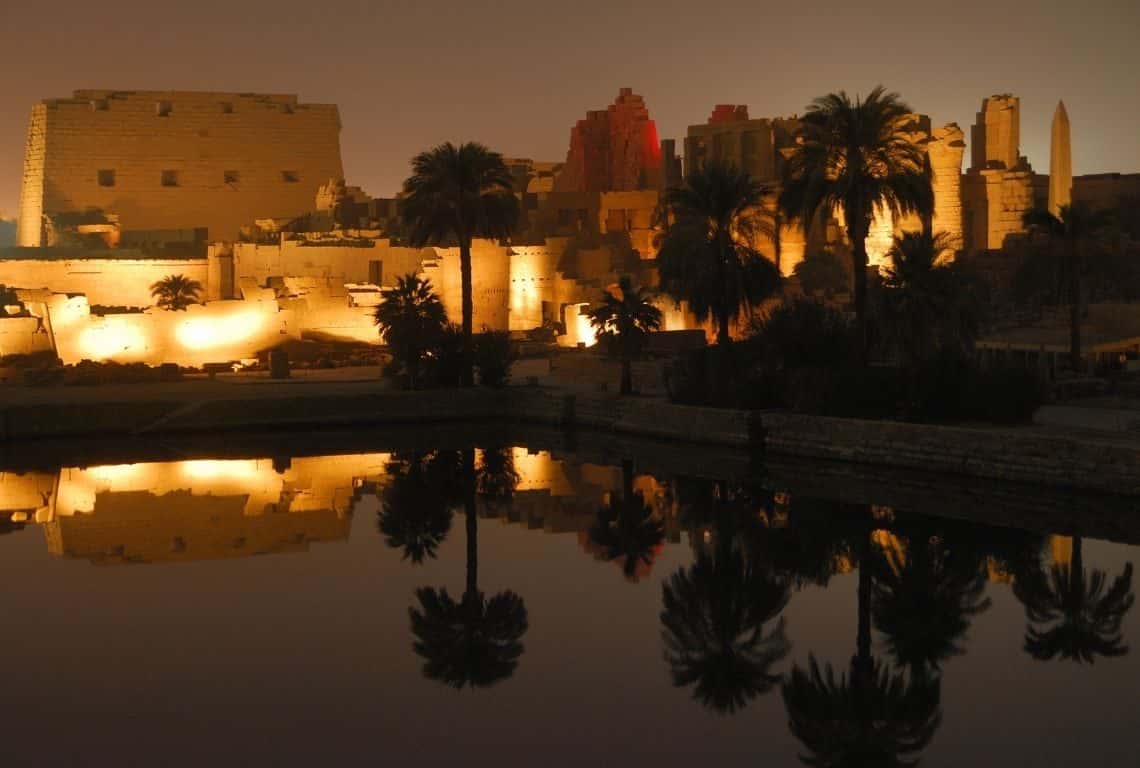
[(1060, 162)]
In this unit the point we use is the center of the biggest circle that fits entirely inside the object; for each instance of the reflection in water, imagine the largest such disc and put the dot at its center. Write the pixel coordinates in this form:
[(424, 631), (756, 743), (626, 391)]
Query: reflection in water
[(475, 642), (921, 581), (1073, 613)]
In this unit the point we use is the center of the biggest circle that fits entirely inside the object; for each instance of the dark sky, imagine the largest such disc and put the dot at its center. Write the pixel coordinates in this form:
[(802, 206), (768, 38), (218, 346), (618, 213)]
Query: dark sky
[(516, 75)]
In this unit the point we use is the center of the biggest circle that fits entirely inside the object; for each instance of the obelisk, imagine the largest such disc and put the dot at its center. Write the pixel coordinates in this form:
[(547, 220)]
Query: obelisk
[(1060, 162)]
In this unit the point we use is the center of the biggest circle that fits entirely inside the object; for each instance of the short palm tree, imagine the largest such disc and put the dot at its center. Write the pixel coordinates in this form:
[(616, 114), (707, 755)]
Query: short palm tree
[(1075, 231), (1071, 613), (176, 292), (626, 530), (856, 156), (623, 322), (714, 618), (932, 306), (474, 642), (708, 245), (411, 318), (454, 195)]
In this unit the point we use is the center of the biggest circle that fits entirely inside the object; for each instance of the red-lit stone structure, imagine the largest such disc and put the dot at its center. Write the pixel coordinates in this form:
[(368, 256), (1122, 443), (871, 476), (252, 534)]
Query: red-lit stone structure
[(613, 150)]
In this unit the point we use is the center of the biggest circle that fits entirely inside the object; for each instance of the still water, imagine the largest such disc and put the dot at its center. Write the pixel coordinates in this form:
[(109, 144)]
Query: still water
[(524, 606)]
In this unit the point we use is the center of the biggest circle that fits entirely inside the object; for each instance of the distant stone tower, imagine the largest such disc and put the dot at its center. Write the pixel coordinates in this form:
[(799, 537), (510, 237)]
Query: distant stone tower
[(946, 147), (1060, 162), (614, 149), (998, 188)]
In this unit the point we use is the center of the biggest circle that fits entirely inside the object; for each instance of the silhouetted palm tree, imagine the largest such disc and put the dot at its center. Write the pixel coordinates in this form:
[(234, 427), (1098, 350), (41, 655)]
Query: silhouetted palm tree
[(1071, 614), (932, 306), (454, 195), (871, 715), (856, 156), (626, 530), (416, 505), (624, 321), (1075, 231), (474, 642), (713, 616), (412, 320), (176, 292), (708, 252)]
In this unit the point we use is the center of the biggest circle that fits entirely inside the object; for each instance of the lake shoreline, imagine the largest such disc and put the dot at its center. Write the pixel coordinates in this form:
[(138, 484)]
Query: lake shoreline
[(1049, 458)]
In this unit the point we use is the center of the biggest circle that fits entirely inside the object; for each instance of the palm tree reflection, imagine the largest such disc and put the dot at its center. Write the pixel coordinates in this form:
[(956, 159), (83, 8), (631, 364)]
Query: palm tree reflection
[(627, 531), (416, 506), (1074, 614), (476, 641), (717, 616)]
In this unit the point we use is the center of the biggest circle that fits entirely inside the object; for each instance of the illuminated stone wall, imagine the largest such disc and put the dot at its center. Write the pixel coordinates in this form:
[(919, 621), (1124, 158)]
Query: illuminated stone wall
[(946, 148), (23, 336), (111, 278), (613, 149), (177, 160)]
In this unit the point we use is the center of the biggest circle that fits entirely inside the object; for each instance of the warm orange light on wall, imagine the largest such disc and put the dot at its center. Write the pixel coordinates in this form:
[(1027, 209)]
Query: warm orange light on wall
[(102, 341), (207, 332)]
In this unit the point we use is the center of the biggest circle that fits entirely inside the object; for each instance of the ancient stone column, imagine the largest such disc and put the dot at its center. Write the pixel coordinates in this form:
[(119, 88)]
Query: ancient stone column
[(946, 147), (1060, 162)]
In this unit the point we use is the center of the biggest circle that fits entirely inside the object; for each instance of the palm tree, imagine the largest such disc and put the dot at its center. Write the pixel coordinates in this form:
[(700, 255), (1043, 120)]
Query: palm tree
[(871, 715), (1071, 614), (1075, 230), (475, 642), (411, 318), (176, 292), (416, 505), (624, 321), (856, 156), (708, 253), (932, 306), (626, 531), (454, 195), (713, 616)]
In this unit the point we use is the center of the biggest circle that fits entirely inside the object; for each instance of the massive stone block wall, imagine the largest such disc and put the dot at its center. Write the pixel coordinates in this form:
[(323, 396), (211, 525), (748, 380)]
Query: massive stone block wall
[(945, 149), (106, 280), (996, 134), (615, 149), (177, 160)]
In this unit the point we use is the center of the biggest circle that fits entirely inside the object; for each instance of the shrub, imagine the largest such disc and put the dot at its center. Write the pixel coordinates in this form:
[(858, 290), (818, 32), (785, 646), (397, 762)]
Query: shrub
[(494, 355)]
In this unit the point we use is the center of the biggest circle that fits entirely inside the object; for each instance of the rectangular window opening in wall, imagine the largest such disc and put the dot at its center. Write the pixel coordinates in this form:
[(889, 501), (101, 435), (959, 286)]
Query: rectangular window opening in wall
[(106, 178), (227, 107), (170, 178), (230, 177), (163, 108), (290, 177), (100, 105)]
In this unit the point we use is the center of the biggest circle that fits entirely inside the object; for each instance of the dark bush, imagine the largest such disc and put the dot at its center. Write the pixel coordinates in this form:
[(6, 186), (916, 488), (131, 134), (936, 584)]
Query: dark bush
[(494, 355)]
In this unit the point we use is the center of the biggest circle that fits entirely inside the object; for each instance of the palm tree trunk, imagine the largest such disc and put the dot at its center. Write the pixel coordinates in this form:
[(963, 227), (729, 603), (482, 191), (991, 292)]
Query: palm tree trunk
[(627, 478), (859, 273), (722, 310), (468, 310), (626, 376), (1077, 569), (1074, 308), (863, 632), (472, 521)]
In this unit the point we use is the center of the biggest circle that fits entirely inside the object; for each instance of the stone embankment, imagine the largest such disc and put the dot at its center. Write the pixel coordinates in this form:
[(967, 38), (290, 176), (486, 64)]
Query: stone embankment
[(1026, 455)]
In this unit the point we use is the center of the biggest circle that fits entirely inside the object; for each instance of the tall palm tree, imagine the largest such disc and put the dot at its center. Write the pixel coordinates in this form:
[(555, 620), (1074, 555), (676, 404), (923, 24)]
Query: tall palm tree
[(474, 642), (624, 321), (1075, 231), (932, 306), (1071, 614), (412, 320), (176, 292), (626, 530), (454, 195), (855, 155), (871, 715), (416, 505), (714, 616), (708, 245)]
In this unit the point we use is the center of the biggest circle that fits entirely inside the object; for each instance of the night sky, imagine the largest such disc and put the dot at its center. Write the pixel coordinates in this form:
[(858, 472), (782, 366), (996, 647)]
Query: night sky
[(516, 75)]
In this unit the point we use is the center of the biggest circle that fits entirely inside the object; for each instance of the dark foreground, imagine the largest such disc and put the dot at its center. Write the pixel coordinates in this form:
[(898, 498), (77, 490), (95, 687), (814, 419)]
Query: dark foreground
[(318, 599)]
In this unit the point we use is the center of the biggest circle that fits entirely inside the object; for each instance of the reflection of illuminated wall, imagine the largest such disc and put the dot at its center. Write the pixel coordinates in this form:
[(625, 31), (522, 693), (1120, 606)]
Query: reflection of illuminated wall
[(190, 510)]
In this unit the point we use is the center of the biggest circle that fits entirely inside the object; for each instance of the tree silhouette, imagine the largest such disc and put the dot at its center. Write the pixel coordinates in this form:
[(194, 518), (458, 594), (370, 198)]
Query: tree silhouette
[(856, 156), (1071, 613), (624, 321), (713, 617), (708, 252), (626, 530), (1075, 231), (412, 320), (176, 292), (454, 195), (474, 642)]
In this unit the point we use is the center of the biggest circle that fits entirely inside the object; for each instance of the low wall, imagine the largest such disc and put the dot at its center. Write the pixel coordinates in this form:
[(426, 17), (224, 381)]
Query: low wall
[(23, 336)]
